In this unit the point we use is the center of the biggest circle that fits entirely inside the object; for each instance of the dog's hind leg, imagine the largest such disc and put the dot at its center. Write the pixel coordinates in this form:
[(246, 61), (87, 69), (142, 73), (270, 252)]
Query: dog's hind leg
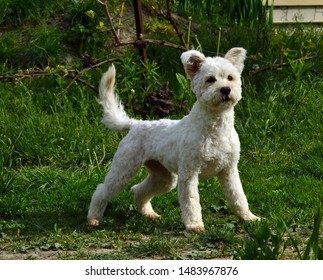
[(124, 167), (158, 181)]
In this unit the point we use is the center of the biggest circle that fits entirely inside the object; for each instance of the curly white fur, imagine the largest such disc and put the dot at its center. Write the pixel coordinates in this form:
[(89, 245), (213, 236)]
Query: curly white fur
[(114, 116), (201, 145)]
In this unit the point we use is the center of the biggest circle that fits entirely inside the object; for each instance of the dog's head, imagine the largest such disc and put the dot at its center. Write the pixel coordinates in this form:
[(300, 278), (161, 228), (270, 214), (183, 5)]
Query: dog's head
[(215, 81)]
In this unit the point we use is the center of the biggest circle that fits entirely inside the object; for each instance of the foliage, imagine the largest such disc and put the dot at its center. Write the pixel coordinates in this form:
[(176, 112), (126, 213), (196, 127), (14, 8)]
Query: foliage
[(154, 25), (88, 30), (15, 12), (315, 243), (45, 47), (136, 79), (247, 13), (199, 11), (264, 243)]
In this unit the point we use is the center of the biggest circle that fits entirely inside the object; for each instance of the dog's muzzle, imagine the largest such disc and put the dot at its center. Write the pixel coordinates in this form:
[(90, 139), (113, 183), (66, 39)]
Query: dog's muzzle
[(225, 93)]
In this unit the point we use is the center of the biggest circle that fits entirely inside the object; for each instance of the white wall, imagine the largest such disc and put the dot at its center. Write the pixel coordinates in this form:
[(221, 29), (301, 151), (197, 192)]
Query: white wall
[(286, 11)]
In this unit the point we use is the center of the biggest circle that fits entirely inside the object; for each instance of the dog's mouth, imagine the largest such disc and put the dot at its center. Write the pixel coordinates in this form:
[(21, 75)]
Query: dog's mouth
[(225, 98), (227, 101)]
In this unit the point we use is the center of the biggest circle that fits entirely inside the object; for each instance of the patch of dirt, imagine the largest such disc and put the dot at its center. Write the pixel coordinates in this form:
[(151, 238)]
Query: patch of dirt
[(52, 254)]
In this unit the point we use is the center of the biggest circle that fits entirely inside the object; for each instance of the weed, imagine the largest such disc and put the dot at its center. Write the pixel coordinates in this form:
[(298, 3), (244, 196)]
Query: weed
[(263, 244), (249, 13), (314, 243), (154, 247), (39, 46), (15, 12), (267, 244), (184, 93), (136, 79)]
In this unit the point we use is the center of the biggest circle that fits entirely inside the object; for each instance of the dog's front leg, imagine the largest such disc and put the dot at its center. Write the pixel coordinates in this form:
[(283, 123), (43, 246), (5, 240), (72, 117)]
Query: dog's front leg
[(232, 188), (189, 201)]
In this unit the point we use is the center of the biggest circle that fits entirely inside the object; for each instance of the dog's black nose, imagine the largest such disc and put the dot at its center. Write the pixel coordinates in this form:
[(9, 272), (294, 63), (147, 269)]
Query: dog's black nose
[(225, 91)]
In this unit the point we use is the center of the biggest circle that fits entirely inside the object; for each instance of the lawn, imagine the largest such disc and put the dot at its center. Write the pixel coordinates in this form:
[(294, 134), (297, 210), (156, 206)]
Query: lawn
[(52, 160), (54, 151)]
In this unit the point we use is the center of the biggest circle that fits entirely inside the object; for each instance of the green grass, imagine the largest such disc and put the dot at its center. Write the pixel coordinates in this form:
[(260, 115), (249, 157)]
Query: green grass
[(54, 149), (53, 156), (15, 12)]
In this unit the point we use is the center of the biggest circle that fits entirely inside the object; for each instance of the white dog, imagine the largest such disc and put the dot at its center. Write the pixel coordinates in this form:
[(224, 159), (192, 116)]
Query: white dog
[(179, 152)]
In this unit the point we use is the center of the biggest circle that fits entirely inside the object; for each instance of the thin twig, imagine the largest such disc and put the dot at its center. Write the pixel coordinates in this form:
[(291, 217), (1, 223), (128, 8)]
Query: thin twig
[(24, 75), (42, 73), (94, 88), (107, 12), (171, 20), (153, 41), (279, 65), (76, 77), (69, 74)]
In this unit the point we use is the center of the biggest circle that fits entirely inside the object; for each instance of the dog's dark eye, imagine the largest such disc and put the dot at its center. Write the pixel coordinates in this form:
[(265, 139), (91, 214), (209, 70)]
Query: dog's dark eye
[(230, 78), (211, 80)]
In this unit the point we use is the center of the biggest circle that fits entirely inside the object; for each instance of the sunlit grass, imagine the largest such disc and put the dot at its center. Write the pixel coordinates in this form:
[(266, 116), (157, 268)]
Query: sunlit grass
[(52, 161)]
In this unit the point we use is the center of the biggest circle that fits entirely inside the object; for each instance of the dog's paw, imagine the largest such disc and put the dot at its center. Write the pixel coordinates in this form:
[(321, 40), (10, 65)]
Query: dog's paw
[(147, 210), (93, 222), (149, 213), (152, 215), (195, 228), (250, 217)]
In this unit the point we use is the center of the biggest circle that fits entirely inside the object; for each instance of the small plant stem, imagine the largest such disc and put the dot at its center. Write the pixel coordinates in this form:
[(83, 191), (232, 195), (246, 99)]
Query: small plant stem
[(120, 19), (219, 41), (189, 31)]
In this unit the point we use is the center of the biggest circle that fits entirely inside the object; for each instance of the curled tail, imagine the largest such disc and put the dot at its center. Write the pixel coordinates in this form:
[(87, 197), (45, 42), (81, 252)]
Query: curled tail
[(114, 115)]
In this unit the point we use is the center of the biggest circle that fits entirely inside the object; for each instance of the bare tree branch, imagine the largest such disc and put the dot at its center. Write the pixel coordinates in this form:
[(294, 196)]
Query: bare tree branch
[(171, 20), (67, 74), (279, 65), (153, 41), (26, 74), (94, 88), (107, 12), (79, 74)]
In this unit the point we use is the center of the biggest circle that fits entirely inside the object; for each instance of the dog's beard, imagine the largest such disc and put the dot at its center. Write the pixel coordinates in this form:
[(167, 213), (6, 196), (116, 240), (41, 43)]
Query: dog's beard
[(231, 99), (226, 100), (220, 103), (216, 100)]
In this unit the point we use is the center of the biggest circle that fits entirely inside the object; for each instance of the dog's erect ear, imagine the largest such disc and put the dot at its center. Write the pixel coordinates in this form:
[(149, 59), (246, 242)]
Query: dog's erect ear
[(192, 61), (237, 57)]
